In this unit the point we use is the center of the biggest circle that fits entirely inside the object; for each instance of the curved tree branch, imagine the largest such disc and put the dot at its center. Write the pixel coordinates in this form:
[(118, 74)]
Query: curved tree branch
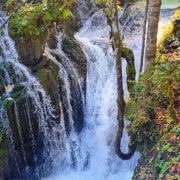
[(119, 52), (131, 148), (130, 67)]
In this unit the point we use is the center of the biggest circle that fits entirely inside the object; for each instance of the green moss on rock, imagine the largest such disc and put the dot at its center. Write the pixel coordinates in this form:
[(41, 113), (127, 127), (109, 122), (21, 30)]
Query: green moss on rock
[(17, 87), (8, 104)]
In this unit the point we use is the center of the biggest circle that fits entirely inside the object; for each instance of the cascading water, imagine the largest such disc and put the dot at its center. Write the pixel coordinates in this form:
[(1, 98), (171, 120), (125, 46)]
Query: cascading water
[(65, 146), (67, 149), (97, 158), (28, 112)]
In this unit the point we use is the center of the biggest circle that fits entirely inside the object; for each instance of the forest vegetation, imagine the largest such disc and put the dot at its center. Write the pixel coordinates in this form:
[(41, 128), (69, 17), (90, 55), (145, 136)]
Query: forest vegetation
[(153, 105)]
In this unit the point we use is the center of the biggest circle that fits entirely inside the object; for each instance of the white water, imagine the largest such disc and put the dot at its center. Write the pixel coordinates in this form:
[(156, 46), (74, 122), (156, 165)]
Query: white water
[(43, 111), (98, 159), (93, 149)]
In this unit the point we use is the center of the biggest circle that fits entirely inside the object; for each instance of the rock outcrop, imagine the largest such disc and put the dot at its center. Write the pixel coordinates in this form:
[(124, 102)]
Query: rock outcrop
[(176, 30)]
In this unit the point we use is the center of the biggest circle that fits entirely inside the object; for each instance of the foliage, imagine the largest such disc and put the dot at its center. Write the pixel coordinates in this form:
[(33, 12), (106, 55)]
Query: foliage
[(163, 160), (166, 78), (140, 110), (8, 104), (155, 89), (159, 89), (10, 4), (35, 19), (107, 3)]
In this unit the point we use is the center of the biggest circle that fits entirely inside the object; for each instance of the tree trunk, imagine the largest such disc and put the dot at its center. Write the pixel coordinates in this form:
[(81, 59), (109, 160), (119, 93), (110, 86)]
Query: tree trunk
[(130, 67), (151, 42), (117, 44), (144, 37), (119, 52)]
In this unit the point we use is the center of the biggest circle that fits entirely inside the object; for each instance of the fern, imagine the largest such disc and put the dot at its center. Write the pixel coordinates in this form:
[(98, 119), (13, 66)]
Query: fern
[(67, 13)]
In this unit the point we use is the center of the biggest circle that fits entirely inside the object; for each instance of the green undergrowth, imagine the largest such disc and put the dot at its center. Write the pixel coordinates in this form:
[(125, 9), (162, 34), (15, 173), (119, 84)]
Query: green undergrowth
[(35, 19), (162, 162), (153, 111), (155, 89), (158, 143)]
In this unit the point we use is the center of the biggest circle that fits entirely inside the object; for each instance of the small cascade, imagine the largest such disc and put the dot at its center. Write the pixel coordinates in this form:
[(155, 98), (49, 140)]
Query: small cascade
[(64, 140), (25, 112), (101, 107), (78, 142), (97, 157)]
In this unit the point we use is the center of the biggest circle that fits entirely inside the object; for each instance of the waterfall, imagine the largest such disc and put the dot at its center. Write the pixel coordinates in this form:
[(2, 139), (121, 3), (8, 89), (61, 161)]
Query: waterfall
[(80, 145), (97, 158), (28, 112), (90, 154), (65, 142)]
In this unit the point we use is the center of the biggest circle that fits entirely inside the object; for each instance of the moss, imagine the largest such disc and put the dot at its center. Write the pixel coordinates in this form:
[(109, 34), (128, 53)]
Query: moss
[(130, 68), (10, 4), (172, 111), (131, 71), (17, 87), (8, 104), (107, 12), (48, 77), (35, 19), (43, 75)]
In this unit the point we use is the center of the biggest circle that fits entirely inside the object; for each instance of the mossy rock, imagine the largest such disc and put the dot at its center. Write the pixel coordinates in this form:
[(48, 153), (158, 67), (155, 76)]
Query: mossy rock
[(17, 87), (18, 92), (74, 52), (48, 75), (8, 104)]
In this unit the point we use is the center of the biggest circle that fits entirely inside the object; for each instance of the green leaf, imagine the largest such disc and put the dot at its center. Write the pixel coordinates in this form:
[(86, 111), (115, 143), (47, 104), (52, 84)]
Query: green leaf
[(67, 13), (107, 12)]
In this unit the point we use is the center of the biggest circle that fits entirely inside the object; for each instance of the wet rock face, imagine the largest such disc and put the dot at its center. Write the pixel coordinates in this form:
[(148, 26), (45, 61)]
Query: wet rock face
[(74, 52), (2, 2), (52, 42), (25, 141), (31, 51), (47, 72), (28, 150), (86, 8)]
